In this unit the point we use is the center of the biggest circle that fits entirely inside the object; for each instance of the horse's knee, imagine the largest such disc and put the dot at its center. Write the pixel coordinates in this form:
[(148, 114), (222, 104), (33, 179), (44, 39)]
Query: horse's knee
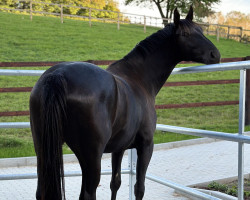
[(115, 183), (139, 191)]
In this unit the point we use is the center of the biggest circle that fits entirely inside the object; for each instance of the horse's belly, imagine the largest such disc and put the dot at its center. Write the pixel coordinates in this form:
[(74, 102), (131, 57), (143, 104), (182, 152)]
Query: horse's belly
[(119, 142)]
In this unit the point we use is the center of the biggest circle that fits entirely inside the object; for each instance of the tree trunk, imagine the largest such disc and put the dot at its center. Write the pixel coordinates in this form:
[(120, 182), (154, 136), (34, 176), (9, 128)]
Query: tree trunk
[(158, 4)]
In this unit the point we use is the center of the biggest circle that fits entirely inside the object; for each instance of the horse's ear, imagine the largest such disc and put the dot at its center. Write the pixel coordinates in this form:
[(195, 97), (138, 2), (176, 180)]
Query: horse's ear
[(190, 14), (176, 17)]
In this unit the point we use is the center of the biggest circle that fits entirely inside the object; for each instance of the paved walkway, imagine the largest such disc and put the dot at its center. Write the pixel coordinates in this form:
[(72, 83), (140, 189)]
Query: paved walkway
[(185, 165)]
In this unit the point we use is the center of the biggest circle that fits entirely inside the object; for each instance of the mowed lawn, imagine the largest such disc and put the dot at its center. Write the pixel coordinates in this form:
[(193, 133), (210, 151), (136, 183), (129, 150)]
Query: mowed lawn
[(46, 39)]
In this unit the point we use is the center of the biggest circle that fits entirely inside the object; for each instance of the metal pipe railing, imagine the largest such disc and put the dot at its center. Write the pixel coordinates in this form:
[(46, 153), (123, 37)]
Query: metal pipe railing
[(182, 70), (240, 138), (66, 174), (204, 133), (181, 188)]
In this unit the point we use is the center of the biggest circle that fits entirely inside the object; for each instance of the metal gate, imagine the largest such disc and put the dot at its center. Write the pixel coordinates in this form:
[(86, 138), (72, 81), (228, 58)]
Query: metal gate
[(240, 138)]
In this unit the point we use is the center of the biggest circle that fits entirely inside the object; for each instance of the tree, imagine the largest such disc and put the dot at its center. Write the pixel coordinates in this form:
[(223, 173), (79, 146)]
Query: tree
[(73, 10), (236, 18), (233, 18), (166, 8), (216, 18)]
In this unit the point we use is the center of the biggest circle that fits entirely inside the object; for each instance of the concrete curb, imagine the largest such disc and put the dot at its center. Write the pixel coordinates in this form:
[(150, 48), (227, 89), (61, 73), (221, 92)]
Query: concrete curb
[(31, 161)]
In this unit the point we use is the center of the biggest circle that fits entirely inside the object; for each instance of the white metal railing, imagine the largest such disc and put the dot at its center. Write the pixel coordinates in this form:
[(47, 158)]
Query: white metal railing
[(240, 137)]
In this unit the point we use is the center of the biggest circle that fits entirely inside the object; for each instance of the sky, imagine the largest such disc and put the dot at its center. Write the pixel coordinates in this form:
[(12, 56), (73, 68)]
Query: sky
[(225, 6)]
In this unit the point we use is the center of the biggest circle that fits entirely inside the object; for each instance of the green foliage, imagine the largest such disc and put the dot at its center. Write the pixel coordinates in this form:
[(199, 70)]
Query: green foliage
[(218, 187), (75, 10), (230, 189), (233, 191), (202, 8)]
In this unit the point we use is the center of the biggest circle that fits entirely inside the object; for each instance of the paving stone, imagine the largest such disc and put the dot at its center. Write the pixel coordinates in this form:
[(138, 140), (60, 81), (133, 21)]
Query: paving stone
[(185, 165)]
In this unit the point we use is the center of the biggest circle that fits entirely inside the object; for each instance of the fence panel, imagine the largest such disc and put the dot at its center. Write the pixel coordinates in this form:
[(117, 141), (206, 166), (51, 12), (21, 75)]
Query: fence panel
[(240, 137)]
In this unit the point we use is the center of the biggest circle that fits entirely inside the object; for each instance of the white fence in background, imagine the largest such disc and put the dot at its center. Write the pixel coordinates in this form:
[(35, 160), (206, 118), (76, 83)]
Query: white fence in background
[(91, 14), (239, 137), (88, 14)]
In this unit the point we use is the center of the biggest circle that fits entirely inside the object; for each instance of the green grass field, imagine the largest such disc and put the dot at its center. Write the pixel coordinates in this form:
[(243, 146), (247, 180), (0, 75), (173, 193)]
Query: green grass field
[(46, 39)]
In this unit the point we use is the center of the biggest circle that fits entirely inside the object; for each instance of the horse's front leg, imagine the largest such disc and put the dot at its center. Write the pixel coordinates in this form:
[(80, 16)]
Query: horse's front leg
[(144, 153), (116, 173)]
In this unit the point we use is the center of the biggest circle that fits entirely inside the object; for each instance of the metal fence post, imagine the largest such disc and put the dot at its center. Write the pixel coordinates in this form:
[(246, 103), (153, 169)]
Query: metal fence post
[(247, 108), (132, 159), (144, 24), (247, 105), (241, 132)]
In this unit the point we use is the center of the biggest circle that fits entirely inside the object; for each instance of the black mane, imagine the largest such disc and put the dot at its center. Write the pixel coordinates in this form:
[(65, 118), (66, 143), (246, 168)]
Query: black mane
[(152, 42), (188, 26)]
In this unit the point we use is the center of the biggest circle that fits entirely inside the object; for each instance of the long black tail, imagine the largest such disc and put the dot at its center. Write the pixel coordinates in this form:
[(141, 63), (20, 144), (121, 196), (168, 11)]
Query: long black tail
[(53, 118)]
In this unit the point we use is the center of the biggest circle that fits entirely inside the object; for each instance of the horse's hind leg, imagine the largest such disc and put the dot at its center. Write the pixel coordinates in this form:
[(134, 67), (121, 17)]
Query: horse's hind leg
[(92, 178), (144, 152), (91, 171), (89, 158), (116, 173)]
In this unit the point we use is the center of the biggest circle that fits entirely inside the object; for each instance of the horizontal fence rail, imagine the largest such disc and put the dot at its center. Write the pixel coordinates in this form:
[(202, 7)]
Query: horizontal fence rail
[(204, 133), (181, 70), (168, 84), (162, 106), (181, 188), (212, 68), (96, 62), (166, 128), (66, 174)]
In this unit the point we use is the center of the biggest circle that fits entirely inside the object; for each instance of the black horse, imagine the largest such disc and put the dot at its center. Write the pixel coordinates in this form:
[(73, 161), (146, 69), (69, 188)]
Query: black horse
[(96, 111)]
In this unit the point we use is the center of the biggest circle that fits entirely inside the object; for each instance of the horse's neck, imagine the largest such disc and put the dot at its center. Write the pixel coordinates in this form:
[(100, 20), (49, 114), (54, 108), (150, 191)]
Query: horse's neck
[(150, 72)]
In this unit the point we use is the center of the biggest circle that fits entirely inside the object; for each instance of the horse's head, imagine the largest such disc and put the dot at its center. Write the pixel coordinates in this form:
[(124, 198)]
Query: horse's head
[(191, 43)]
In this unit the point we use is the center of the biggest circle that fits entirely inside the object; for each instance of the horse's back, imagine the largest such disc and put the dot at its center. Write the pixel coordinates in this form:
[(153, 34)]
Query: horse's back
[(90, 96), (82, 79), (80, 75)]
